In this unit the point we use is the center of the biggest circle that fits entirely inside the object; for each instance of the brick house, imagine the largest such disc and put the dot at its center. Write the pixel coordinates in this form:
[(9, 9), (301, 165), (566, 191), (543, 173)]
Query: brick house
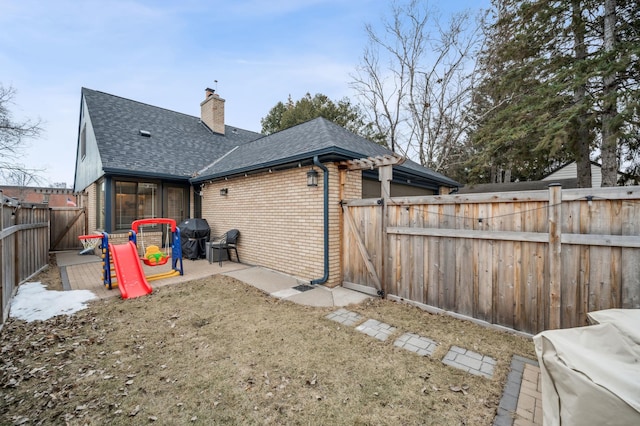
[(53, 197), (136, 160)]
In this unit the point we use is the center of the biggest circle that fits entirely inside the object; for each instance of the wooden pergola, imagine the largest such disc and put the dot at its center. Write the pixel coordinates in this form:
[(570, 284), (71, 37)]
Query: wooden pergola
[(384, 164)]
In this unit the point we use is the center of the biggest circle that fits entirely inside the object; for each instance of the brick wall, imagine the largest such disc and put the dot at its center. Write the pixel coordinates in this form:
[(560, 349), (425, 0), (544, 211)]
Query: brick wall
[(212, 112), (91, 191), (280, 219), (53, 197)]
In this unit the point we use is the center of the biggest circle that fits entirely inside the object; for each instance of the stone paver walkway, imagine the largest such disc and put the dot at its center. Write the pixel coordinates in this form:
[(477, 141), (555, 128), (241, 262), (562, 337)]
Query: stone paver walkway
[(521, 403), (463, 359)]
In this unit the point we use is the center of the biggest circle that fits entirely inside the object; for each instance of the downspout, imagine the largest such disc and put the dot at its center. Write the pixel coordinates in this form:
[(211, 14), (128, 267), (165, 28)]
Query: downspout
[(325, 184)]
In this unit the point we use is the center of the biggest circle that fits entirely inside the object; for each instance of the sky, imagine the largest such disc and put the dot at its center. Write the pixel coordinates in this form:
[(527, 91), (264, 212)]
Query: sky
[(166, 53)]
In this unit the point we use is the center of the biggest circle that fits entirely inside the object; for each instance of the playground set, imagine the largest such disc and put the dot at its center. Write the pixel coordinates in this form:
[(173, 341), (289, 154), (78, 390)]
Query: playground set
[(129, 273)]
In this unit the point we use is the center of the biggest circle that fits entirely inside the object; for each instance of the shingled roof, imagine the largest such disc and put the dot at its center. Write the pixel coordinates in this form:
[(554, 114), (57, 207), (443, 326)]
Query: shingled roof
[(179, 144), (299, 144)]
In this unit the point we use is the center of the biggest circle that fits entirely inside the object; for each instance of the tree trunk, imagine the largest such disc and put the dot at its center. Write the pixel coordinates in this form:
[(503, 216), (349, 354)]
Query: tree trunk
[(581, 137), (609, 131)]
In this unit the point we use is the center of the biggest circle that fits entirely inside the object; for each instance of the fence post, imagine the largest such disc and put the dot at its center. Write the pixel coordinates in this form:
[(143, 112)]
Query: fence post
[(385, 175), (555, 259)]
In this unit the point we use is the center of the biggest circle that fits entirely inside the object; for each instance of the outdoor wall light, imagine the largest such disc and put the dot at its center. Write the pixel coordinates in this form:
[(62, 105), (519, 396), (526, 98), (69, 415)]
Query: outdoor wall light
[(312, 177), (224, 191)]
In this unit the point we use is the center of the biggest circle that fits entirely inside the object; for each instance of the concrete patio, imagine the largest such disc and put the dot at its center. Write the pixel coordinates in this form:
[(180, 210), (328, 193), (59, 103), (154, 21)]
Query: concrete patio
[(84, 272)]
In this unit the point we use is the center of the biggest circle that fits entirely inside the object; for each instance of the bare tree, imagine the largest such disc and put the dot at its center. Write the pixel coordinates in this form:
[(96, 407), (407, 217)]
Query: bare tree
[(12, 140), (19, 177), (414, 81)]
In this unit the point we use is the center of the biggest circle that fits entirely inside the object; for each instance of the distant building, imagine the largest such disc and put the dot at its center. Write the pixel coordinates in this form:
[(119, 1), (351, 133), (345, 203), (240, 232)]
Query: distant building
[(54, 197), (566, 175)]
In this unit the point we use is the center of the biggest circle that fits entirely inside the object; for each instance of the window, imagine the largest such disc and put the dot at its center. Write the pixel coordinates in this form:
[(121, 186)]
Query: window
[(134, 200), (177, 203), (100, 216), (83, 142)]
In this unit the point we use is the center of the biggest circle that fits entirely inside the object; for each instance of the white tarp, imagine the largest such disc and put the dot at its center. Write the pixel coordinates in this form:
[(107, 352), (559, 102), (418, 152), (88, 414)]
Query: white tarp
[(591, 375)]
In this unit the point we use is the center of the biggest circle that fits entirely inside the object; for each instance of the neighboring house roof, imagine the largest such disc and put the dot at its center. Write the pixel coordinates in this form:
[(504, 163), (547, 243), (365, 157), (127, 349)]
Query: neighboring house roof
[(565, 175), (299, 144), (516, 186), (179, 144)]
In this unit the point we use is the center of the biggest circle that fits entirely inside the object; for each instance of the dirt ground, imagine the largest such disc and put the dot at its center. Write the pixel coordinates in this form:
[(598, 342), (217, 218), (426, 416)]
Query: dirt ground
[(218, 351)]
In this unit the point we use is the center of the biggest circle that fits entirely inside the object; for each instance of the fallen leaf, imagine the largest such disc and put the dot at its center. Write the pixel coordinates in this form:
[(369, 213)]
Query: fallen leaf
[(313, 380), (462, 389)]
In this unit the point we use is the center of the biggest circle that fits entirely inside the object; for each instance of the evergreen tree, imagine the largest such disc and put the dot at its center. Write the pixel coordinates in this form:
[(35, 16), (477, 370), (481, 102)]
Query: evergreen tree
[(553, 88), (282, 116)]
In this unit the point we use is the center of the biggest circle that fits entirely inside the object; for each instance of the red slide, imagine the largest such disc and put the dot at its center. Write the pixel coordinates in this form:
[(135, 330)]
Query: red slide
[(131, 279)]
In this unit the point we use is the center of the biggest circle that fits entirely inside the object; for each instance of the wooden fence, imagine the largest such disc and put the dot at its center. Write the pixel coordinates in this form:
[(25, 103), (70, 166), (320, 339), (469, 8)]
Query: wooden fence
[(24, 247), (528, 261), (67, 224)]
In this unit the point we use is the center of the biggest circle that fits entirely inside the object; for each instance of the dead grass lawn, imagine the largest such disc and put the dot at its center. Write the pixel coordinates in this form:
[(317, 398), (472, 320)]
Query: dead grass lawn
[(217, 351)]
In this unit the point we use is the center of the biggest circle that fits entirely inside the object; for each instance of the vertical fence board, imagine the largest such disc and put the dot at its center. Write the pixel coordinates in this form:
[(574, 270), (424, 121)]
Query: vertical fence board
[(432, 262), (405, 261), (599, 276), (615, 275), (630, 258), (417, 267), (448, 258), (571, 291), (520, 255), (465, 264), (485, 253)]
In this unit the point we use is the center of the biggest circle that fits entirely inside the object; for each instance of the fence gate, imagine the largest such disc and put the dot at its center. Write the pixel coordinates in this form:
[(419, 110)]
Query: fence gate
[(362, 244), (364, 235), (67, 223)]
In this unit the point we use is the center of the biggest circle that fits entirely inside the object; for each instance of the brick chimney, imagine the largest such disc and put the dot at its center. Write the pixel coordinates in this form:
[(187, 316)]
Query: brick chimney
[(212, 111)]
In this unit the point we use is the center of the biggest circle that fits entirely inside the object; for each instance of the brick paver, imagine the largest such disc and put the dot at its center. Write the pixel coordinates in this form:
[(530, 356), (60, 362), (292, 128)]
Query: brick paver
[(377, 329), (345, 317), (470, 361), (521, 403), (529, 408), (423, 346)]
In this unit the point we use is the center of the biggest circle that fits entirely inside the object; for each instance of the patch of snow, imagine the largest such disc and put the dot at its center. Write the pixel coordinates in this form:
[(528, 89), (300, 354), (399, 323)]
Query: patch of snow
[(34, 302)]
